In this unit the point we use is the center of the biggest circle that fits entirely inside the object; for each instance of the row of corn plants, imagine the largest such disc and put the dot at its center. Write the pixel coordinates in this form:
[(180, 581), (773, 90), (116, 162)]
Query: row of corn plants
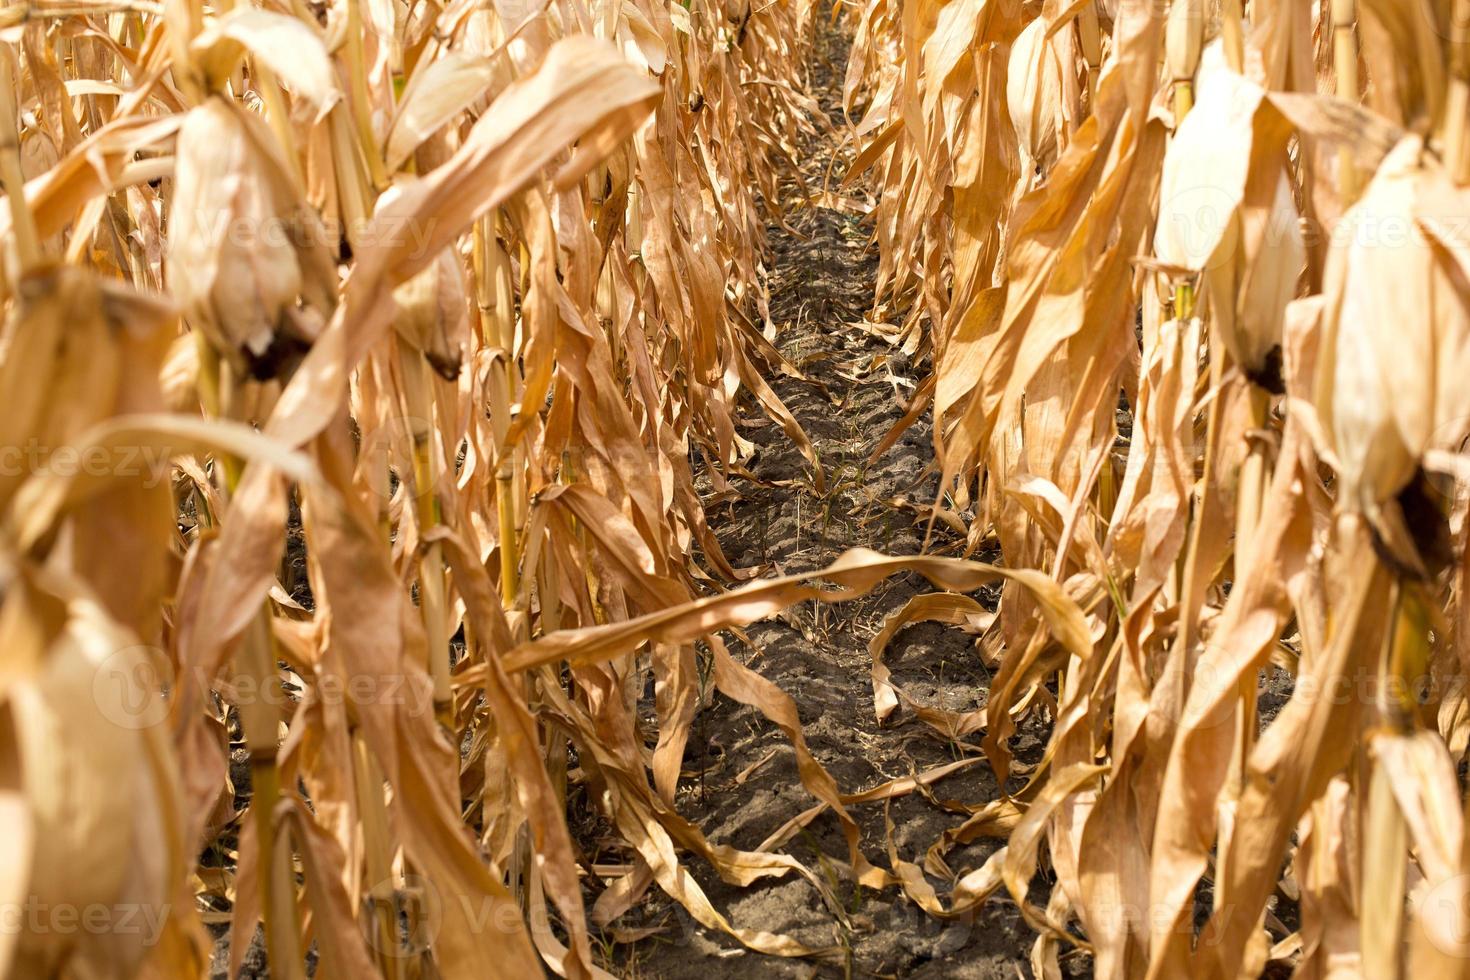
[(1193, 280)]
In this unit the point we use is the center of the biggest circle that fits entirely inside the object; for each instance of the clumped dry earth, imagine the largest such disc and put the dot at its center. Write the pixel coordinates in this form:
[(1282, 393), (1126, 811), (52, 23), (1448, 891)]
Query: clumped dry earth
[(741, 782)]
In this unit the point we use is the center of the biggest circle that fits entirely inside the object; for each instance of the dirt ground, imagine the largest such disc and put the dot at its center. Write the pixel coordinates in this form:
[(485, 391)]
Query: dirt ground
[(821, 284)]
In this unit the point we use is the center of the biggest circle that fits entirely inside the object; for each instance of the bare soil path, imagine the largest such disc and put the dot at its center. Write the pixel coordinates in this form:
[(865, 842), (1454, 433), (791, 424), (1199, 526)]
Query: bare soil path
[(746, 784)]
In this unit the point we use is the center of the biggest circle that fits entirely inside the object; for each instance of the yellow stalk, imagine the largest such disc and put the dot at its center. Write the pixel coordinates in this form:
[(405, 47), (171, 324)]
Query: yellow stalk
[(495, 297), (1345, 68), (634, 233), (482, 243), (1457, 146), (278, 117), (436, 628), (419, 397), (360, 97), (1253, 476), (1107, 492), (1232, 33), (1251, 488), (28, 253), (1183, 99), (493, 294), (505, 512), (1385, 850), (19, 13), (1457, 104), (1405, 659), (497, 331), (1190, 583), (1183, 300), (568, 477), (377, 856), (237, 76), (185, 21), (1408, 656), (1183, 39), (260, 722), (1089, 36), (255, 666), (353, 195)]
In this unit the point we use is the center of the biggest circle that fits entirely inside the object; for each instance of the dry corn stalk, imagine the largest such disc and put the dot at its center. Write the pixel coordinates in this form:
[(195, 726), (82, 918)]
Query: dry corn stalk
[(1291, 497)]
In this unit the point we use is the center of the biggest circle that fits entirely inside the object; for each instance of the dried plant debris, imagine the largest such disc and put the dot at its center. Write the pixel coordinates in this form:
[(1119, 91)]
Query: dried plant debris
[(486, 486)]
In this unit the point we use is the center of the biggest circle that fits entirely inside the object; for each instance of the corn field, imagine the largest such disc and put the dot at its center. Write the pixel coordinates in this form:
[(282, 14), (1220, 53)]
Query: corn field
[(479, 479)]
